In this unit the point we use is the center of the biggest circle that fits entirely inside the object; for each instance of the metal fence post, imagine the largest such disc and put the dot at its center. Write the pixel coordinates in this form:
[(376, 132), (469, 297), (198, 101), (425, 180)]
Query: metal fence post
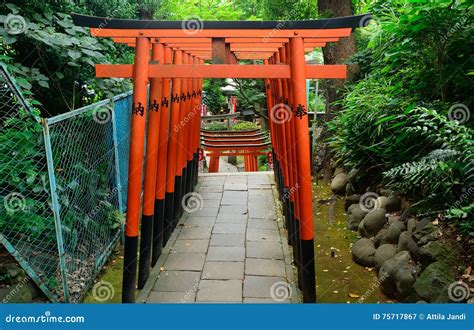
[(55, 205), (116, 155)]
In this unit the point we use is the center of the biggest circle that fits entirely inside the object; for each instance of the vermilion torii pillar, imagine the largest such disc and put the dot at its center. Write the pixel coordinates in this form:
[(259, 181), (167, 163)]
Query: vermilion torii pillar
[(168, 178)]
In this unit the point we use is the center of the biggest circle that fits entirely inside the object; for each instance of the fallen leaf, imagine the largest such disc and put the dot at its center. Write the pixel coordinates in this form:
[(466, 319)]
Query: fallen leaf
[(325, 270), (468, 270), (353, 295)]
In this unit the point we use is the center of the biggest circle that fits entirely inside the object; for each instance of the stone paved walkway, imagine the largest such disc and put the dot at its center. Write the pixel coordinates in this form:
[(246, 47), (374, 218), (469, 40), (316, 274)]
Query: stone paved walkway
[(233, 249)]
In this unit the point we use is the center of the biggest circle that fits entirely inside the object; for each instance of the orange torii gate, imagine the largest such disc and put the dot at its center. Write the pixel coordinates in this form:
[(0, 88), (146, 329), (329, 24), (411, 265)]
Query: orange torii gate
[(175, 71), (250, 144)]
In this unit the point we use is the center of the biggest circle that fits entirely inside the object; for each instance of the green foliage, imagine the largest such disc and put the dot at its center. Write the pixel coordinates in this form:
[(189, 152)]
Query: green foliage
[(22, 171), (244, 126), (52, 58), (213, 96), (250, 94), (367, 128), (216, 126), (438, 177), (394, 127), (199, 10)]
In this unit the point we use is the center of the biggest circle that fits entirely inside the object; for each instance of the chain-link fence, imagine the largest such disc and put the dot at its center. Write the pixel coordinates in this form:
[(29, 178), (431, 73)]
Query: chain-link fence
[(60, 186)]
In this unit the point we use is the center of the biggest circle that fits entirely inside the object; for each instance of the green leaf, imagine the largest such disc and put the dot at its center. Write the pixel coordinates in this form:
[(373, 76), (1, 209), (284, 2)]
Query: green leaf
[(74, 54), (43, 83)]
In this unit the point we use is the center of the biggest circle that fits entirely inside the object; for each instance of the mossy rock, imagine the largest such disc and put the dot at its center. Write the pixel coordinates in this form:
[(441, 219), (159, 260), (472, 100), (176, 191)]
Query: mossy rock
[(374, 221), (393, 204), (383, 253), (363, 252), (16, 294), (338, 184), (432, 285), (437, 251)]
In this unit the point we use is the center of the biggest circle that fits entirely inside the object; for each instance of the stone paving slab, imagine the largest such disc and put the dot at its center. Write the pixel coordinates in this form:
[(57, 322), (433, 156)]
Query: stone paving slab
[(231, 218), (185, 261), (227, 240), (265, 250), (229, 228), (219, 291), (261, 286), (177, 281), (234, 249), (265, 267), (223, 270), (190, 245), (171, 297), (225, 253)]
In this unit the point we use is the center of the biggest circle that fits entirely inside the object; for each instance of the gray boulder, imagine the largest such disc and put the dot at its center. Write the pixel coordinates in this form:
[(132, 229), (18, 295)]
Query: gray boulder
[(422, 223), (393, 218), (437, 251), (393, 204), (394, 231), (351, 200), (373, 222), (427, 233), (411, 224), (380, 238), (363, 252), (11, 273), (15, 294), (388, 271), (350, 189), (406, 243), (383, 253), (338, 184), (362, 231), (354, 216), (433, 283), (404, 278), (338, 170)]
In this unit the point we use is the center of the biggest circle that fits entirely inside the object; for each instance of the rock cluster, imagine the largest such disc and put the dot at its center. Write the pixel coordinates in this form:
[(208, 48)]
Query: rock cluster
[(16, 286), (413, 264)]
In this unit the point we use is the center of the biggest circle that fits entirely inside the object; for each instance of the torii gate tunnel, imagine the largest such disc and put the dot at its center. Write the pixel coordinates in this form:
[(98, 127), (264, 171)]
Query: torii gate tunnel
[(174, 57)]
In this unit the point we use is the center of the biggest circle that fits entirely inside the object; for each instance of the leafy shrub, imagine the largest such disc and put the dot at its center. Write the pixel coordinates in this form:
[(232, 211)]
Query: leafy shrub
[(244, 126), (443, 178), (216, 126)]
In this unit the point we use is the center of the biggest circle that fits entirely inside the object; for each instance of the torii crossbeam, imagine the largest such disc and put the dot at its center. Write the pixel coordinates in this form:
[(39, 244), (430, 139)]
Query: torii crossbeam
[(174, 57)]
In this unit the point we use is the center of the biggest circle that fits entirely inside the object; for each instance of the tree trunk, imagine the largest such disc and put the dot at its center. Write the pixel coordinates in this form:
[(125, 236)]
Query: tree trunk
[(334, 53), (338, 52)]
